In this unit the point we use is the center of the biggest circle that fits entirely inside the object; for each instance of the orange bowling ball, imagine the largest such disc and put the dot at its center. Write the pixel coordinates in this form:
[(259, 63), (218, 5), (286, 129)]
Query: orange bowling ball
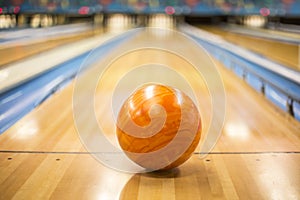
[(158, 127)]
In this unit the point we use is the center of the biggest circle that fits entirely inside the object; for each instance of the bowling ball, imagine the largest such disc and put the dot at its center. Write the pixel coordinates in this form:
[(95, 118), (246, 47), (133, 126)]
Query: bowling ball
[(158, 127)]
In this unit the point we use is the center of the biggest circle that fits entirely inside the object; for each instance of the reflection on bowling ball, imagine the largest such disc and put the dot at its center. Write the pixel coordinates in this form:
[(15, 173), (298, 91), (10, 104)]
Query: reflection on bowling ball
[(158, 127)]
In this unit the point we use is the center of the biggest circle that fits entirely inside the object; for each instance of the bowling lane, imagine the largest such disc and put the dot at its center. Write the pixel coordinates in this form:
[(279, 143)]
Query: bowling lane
[(226, 176), (21, 50), (256, 157), (285, 53)]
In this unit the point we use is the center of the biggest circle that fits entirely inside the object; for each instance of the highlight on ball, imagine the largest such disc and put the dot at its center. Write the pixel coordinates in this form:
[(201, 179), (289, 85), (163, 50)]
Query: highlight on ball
[(158, 127)]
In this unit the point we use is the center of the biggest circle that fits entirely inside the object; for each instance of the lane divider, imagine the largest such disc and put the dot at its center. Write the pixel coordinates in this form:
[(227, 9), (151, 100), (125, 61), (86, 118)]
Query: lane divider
[(277, 83), (24, 96)]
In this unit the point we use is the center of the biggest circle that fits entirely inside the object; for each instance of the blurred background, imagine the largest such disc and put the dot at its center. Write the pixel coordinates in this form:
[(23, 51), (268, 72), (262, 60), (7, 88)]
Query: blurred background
[(276, 14)]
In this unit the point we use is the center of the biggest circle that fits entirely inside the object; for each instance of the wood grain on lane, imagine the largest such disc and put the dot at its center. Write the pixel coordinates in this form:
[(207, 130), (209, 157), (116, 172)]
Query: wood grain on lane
[(18, 52), (256, 157), (281, 52)]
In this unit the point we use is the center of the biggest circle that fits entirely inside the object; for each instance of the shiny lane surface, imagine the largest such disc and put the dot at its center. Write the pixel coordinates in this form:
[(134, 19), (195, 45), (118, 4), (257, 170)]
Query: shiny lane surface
[(18, 52), (281, 52), (256, 157)]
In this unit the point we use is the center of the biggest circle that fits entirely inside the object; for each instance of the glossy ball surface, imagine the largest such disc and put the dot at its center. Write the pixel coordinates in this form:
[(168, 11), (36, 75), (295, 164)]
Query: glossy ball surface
[(158, 127)]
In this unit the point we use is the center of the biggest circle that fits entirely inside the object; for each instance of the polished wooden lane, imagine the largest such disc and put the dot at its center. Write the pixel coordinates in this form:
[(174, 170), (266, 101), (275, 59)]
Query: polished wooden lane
[(21, 51), (256, 157), (282, 52)]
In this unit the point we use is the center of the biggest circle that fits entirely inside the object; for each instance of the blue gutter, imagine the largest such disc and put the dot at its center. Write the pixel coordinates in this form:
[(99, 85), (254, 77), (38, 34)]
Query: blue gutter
[(280, 90), (21, 99)]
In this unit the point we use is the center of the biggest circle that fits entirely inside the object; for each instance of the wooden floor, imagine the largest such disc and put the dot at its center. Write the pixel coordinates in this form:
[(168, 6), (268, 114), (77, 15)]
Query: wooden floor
[(256, 157), (287, 54), (18, 52)]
